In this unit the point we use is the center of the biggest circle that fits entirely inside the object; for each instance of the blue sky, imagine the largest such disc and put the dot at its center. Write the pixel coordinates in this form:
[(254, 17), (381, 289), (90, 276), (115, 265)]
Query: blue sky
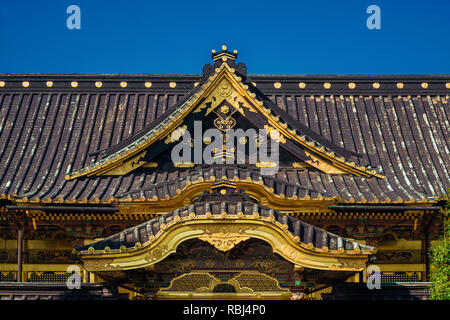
[(272, 37)]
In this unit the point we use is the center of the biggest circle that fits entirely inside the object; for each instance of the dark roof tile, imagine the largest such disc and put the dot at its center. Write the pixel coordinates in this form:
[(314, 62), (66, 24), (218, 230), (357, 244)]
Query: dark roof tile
[(48, 132), (307, 233)]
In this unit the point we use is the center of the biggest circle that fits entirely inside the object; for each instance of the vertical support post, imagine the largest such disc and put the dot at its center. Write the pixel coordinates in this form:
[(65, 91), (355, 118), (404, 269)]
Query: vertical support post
[(427, 258), (427, 245), (19, 253)]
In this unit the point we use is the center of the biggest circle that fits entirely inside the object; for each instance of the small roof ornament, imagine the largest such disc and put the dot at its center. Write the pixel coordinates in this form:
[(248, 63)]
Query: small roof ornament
[(224, 54)]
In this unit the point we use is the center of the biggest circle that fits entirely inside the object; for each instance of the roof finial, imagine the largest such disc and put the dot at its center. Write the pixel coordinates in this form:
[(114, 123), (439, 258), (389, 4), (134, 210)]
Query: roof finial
[(224, 54)]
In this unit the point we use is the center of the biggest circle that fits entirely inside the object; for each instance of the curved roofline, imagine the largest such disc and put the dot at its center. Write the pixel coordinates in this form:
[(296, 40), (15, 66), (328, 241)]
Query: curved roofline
[(229, 221)]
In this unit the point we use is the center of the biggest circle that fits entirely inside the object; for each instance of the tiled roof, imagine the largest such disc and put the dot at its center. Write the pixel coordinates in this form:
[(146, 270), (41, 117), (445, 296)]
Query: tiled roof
[(306, 233), (49, 129), (174, 182)]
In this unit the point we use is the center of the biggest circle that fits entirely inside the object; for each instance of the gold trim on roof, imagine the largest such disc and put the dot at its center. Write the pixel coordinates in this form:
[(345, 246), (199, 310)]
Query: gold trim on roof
[(193, 226), (226, 84), (255, 188)]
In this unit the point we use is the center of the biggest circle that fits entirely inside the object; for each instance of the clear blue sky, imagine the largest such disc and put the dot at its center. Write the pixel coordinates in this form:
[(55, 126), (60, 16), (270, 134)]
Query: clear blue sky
[(272, 37)]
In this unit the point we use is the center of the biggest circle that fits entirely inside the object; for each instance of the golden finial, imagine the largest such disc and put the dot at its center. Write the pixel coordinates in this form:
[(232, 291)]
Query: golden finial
[(224, 54)]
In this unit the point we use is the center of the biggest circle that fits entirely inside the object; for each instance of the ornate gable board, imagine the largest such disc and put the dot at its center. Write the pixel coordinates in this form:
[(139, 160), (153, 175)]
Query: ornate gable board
[(225, 84), (224, 224)]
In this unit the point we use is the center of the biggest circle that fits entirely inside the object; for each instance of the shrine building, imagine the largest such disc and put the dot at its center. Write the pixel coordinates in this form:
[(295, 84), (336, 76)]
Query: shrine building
[(88, 179)]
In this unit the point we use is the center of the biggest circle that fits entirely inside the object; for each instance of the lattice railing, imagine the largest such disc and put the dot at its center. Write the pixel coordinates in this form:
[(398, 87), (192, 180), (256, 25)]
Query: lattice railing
[(49, 277), (8, 276), (389, 277)]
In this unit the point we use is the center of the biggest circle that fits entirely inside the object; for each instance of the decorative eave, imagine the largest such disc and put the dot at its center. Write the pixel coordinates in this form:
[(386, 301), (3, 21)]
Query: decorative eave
[(321, 157), (234, 225), (192, 188)]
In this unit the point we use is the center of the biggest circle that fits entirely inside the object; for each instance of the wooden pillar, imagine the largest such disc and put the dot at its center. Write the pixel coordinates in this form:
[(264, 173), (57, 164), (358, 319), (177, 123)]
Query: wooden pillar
[(19, 253), (427, 252)]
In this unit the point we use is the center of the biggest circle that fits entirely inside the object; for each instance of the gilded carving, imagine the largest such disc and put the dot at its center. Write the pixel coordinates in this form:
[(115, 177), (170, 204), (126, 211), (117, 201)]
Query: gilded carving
[(274, 134), (175, 135), (224, 91), (250, 283), (157, 253), (224, 234), (291, 252), (322, 165), (224, 241)]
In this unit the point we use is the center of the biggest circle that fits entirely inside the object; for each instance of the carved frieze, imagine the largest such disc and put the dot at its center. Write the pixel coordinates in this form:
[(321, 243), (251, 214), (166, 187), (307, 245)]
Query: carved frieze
[(224, 241)]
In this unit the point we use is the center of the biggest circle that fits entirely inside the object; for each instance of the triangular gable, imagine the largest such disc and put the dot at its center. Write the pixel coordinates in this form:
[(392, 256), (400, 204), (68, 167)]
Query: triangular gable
[(225, 87)]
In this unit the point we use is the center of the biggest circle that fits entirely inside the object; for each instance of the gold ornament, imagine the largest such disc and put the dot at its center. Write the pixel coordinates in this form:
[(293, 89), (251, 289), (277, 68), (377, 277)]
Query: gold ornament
[(207, 140), (224, 90), (224, 241), (242, 140), (224, 109)]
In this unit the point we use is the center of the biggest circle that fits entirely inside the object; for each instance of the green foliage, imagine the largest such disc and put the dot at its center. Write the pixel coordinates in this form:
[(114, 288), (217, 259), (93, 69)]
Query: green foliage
[(440, 262)]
